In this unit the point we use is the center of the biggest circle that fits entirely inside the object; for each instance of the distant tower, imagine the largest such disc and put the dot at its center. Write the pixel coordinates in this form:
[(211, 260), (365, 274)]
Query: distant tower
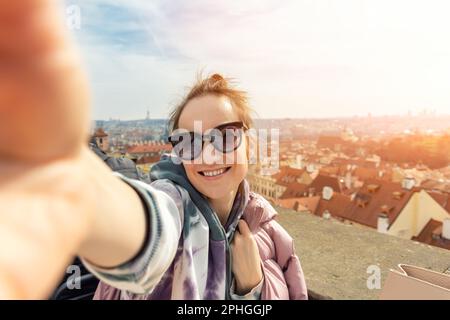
[(102, 140), (147, 117)]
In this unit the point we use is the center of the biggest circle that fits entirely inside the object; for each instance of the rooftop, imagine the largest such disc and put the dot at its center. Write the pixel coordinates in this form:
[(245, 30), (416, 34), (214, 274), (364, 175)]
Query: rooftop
[(335, 256), (288, 175), (100, 133), (431, 234), (322, 181), (374, 197), (148, 148)]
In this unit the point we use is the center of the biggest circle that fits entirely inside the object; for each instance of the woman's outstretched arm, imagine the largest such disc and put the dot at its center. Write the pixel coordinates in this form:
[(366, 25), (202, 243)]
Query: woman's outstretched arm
[(56, 198)]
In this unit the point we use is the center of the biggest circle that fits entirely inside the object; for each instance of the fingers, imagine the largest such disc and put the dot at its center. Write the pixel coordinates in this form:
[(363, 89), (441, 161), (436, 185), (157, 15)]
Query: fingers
[(28, 29), (44, 99), (243, 228)]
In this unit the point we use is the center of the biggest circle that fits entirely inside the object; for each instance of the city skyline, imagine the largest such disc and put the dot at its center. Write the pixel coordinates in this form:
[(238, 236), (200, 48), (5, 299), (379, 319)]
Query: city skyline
[(424, 113), (311, 59)]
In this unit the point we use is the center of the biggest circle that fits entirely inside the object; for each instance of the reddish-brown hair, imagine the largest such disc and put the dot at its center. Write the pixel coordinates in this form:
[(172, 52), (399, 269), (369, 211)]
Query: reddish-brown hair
[(215, 84)]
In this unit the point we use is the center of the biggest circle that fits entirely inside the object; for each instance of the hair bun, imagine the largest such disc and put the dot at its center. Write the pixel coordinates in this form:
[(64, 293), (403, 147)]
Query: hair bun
[(217, 79)]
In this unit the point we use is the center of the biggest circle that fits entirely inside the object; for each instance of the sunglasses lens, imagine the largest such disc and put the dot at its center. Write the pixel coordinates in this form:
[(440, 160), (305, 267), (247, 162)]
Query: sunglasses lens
[(187, 145), (227, 140)]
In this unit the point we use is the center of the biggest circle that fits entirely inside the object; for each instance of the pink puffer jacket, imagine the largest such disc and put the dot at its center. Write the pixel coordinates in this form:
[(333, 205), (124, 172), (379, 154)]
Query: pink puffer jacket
[(283, 274)]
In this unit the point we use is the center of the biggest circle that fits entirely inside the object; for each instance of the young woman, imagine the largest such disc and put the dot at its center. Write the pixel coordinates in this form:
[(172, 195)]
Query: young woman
[(209, 236), (170, 239)]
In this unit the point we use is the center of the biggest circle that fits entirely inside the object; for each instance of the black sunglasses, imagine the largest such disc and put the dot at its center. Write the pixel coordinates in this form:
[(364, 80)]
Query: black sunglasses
[(225, 138)]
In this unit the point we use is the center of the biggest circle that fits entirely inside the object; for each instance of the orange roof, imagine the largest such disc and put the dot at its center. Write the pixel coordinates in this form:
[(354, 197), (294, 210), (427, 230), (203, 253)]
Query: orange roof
[(329, 170), (288, 175), (322, 181), (336, 206), (430, 234), (100, 133), (147, 160), (291, 203), (147, 148), (309, 203), (365, 173), (375, 197), (294, 190), (441, 198)]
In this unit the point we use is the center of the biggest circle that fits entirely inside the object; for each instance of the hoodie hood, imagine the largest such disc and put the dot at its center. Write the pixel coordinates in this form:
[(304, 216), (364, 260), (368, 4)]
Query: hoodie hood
[(170, 168)]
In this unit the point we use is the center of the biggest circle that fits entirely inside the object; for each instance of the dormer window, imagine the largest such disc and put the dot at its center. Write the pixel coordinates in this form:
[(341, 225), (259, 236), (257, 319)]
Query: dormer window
[(397, 195), (361, 202), (372, 188), (386, 209)]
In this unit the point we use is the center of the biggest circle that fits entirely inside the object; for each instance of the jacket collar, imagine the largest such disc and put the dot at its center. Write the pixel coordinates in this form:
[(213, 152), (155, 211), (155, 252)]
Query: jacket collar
[(172, 169)]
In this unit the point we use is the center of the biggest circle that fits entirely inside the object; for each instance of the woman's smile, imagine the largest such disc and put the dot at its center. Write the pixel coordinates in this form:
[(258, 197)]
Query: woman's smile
[(214, 174)]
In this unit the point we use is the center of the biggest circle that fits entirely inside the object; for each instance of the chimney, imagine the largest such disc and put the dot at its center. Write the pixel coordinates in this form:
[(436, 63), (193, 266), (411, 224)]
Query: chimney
[(382, 223), (310, 168), (299, 161), (348, 180), (408, 183), (326, 215), (446, 229), (327, 193)]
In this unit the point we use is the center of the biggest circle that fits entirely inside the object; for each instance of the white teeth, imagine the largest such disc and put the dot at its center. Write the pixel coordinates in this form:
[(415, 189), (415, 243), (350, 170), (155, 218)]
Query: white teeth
[(213, 173)]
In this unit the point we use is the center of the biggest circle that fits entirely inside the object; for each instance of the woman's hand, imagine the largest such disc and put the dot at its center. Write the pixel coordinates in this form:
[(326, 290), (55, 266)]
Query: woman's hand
[(56, 198), (246, 262), (44, 119), (44, 99)]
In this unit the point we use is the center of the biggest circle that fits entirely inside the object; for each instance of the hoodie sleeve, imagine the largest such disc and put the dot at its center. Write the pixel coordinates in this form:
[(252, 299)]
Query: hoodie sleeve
[(254, 294), (164, 215)]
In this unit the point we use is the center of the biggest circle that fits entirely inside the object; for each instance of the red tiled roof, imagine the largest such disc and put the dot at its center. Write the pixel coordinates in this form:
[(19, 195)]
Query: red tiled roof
[(365, 173), (440, 198), (336, 206), (100, 133), (329, 170), (375, 197), (309, 203), (294, 190), (147, 148), (430, 234), (147, 160), (288, 175), (322, 181), (291, 203)]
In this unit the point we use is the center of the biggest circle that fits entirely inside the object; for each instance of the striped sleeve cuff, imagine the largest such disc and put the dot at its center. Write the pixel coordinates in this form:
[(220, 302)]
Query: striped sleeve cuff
[(142, 273), (254, 294)]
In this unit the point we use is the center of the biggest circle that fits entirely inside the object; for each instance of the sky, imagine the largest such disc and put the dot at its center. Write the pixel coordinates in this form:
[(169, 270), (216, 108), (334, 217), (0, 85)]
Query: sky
[(295, 58)]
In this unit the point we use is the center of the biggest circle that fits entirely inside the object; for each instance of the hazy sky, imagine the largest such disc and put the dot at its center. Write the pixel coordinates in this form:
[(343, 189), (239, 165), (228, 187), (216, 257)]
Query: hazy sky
[(296, 58)]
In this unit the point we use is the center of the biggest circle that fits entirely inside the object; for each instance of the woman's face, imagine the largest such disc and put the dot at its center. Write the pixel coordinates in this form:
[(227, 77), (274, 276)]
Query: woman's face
[(205, 173)]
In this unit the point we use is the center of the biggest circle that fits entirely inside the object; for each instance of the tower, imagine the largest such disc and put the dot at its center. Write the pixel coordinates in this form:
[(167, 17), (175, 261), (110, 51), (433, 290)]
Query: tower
[(101, 138)]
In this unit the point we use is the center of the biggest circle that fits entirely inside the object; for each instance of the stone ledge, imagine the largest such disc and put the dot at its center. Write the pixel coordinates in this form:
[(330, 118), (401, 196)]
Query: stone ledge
[(335, 256)]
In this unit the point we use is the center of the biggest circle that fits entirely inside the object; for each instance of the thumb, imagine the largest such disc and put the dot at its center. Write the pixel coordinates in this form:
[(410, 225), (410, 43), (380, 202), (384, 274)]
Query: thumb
[(243, 228)]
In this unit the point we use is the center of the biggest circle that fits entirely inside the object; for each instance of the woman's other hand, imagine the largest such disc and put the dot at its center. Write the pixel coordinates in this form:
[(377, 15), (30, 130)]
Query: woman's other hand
[(246, 262)]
